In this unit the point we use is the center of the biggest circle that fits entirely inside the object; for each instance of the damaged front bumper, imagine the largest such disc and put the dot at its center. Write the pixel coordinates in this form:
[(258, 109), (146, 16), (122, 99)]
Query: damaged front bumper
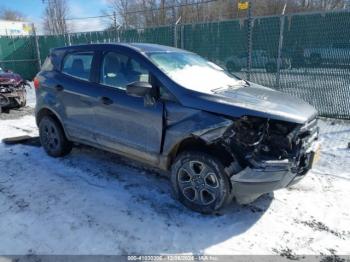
[(268, 176), (10, 97)]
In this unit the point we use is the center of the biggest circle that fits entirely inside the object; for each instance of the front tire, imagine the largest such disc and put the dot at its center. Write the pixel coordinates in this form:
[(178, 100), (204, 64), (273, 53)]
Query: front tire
[(52, 138), (200, 182)]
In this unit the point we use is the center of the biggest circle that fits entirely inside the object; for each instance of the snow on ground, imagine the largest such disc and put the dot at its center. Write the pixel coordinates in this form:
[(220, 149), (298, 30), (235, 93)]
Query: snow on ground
[(31, 95), (94, 202)]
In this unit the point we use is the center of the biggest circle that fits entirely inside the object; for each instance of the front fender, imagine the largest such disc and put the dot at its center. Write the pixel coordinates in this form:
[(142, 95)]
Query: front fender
[(182, 123)]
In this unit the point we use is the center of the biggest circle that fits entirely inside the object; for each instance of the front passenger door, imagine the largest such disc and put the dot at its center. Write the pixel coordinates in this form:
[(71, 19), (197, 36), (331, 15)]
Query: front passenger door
[(123, 122)]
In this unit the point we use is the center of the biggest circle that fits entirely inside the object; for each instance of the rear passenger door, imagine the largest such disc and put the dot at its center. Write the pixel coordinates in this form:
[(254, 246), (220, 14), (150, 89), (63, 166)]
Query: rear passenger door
[(124, 123), (76, 93)]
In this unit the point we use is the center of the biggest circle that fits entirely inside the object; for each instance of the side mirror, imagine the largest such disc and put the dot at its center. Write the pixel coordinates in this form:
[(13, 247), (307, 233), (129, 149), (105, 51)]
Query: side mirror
[(139, 89), (142, 89)]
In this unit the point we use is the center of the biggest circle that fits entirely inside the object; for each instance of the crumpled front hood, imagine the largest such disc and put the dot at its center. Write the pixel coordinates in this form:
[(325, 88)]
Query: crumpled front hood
[(259, 101)]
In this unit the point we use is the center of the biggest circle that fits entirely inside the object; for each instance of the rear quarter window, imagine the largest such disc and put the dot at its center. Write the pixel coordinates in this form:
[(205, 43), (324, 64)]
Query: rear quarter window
[(78, 65)]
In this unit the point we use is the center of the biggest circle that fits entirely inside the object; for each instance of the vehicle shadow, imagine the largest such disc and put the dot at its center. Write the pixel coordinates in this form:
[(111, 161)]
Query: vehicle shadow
[(15, 113), (178, 229), (116, 206)]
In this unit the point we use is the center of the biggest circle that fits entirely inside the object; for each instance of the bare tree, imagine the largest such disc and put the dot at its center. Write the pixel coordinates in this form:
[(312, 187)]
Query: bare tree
[(331, 4), (120, 7), (12, 15), (55, 17), (146, 13)]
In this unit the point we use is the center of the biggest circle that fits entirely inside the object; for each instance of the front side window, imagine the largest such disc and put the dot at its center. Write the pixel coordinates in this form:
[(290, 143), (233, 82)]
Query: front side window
[(119, 70), (194, 72), (78, 65)]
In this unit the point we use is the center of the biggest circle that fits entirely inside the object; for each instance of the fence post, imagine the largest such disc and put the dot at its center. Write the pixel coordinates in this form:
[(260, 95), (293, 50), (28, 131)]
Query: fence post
[(250, 39), (280, 46), (175, 31), (69, 41), (182, 37), (14, 50), (36, 46), (115, 26), (175, 35)]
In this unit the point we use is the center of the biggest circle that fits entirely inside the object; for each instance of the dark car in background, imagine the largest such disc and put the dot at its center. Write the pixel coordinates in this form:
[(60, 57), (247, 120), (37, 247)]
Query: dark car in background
[(12, 90), (335, 55), (217, 136), (260, 59)]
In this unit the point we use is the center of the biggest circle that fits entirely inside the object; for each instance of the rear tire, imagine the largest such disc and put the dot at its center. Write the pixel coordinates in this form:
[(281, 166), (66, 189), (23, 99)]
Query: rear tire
[(200, 182), (4, 101), (52, 138)]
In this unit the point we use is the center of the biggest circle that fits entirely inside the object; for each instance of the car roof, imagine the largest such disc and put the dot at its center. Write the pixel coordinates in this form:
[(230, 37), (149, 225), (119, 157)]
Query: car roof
[(140, 47)]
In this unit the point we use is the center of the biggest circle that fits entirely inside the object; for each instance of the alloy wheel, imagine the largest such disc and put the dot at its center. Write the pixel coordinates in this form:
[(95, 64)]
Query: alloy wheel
[(50, 137), (198, 183)]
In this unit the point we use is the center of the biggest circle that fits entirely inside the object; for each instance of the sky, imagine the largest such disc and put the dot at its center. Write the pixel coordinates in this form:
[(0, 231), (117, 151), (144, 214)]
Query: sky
[(34, 9)]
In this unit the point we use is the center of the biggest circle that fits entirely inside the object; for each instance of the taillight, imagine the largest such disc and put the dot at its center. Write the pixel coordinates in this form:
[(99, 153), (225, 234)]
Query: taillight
[(36, 83)]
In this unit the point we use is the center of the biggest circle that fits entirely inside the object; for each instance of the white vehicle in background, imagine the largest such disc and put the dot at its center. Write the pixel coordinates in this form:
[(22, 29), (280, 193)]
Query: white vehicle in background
[(337, 54), (260, 59), (15, 28)]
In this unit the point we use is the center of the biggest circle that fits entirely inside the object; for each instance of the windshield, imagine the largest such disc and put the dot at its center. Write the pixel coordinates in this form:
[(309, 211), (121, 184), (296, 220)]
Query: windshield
[(194, 72)]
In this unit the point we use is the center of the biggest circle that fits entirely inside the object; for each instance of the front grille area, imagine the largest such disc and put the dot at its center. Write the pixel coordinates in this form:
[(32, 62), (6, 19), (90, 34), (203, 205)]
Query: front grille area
[(256, 141)]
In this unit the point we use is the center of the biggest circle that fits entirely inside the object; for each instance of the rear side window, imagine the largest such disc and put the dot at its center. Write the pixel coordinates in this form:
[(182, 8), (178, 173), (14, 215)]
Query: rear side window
[(78, 65)]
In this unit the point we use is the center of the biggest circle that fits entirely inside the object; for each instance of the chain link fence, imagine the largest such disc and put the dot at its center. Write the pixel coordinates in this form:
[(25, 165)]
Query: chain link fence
[(305, 55)]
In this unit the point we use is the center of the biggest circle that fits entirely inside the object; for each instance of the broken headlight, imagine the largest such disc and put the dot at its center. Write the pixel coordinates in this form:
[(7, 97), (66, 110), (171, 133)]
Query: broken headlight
[(250, 131), (264, 138), (280, 140)]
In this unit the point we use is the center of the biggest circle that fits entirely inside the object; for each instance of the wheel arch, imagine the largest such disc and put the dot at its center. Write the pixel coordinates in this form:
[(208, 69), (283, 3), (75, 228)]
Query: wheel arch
[(196, 143), (45, 111)]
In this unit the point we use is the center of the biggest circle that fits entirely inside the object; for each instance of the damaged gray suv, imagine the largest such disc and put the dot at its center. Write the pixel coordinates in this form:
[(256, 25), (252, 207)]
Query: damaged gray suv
[(219, 137)]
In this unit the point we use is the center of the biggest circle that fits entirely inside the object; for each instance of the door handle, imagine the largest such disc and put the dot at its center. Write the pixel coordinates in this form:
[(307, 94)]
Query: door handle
[(106, 100), (59, 88)]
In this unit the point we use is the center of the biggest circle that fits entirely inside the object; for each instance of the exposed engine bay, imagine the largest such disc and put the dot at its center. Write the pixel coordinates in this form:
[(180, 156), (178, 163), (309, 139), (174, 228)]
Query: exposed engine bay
[(265, 154), (257, 141)]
